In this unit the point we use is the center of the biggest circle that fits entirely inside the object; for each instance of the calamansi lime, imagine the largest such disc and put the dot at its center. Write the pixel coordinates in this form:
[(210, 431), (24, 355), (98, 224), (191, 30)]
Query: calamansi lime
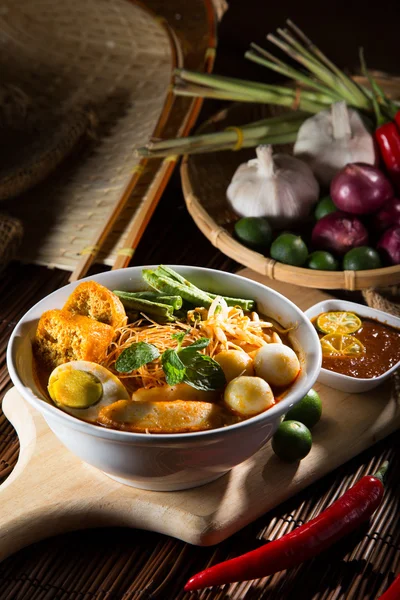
[(292, 441), (338, 322), (254, 232), (289, 249), (324, 207), (336, 344), (322, 260), (308, 411), (363, 257)]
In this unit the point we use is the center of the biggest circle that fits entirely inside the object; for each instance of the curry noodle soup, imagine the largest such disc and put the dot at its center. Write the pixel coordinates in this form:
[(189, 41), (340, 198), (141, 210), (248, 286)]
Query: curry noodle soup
[(170, 359)]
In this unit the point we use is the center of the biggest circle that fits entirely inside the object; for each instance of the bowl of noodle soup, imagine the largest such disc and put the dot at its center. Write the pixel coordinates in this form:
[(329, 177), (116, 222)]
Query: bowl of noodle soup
[(169, 461)]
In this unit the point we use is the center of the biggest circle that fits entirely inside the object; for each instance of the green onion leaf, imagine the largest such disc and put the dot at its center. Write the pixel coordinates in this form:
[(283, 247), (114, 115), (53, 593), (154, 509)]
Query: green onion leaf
[(137, 355)]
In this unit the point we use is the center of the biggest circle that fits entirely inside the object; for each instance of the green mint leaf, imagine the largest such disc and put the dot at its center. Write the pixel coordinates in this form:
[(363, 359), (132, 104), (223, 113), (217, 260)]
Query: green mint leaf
[(189, 351), (179, 338), (173, 367), (203, 372), (137, 355)]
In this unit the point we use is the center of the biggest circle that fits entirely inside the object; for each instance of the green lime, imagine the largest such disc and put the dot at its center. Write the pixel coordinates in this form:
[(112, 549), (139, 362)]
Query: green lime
[(324, 207), (292, 441), (254, 232), (363, 257), (322, 260), (308, 411), (289, 249)]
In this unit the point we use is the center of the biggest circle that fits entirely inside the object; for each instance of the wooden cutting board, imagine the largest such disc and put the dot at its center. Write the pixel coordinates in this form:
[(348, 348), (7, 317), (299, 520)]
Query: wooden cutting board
[(51, 491)]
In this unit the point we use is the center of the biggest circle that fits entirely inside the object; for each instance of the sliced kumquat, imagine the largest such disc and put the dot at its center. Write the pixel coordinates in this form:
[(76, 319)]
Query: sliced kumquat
[(338, 322), (335, 344)]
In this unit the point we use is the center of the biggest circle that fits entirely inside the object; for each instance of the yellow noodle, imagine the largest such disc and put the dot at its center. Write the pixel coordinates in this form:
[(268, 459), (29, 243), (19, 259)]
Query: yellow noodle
[(229, 329)]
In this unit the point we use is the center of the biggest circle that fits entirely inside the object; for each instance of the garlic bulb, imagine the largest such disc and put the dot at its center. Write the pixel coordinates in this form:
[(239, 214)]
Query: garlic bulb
[(333, 138), (279, 187)]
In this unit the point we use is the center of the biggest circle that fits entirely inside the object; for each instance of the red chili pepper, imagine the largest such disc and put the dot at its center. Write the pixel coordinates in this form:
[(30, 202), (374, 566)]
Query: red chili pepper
[(308, 540), (393, 592), (387, 137), (397, 119)]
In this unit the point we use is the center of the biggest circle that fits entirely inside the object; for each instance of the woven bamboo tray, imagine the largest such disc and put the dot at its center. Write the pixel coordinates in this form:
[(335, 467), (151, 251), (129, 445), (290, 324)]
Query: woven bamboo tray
[(205, 178), (117, 59)]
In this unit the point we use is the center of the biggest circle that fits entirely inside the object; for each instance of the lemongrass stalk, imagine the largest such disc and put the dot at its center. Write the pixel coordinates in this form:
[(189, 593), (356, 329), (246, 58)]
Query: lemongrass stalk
[(288, 138), (353, 86), (193, 91), (285, 34), (321, 72), (358, 98), (253, 129), (246, 86), (221, 82), (263, 129), (325, 75), (293, 74), (287, 101), (306, 103)]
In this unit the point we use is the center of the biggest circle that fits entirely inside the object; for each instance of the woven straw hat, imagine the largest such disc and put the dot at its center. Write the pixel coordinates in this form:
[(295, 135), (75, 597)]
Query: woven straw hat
[(66, 65)]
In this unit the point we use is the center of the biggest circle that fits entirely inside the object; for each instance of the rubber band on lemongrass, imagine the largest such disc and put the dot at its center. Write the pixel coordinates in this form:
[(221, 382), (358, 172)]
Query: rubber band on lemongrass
[(210, 53), (296, 99), (171, 158), (240, 137), (89, 250), (126, 252)]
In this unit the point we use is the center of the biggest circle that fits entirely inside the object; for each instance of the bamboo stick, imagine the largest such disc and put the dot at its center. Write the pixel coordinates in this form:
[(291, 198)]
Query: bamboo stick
[(89, 254), (159, 183)]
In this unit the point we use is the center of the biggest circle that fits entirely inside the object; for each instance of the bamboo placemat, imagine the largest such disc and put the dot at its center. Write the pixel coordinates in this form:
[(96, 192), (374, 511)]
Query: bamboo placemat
[(125, 564), (120, 61)]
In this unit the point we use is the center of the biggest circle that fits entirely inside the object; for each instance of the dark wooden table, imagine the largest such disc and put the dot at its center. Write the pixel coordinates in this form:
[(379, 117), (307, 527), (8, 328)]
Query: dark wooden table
[(112, 564)]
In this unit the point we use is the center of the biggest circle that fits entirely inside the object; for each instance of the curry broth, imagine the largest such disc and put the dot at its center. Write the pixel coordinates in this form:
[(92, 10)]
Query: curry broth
[(42, 373)]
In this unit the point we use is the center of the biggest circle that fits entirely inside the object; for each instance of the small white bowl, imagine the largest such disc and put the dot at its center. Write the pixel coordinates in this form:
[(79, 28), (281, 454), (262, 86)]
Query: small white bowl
[(175, 461), (346, 383)]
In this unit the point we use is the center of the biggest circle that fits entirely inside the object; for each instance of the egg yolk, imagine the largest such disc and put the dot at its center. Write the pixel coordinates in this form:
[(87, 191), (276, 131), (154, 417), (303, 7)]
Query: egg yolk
[(76, 389)]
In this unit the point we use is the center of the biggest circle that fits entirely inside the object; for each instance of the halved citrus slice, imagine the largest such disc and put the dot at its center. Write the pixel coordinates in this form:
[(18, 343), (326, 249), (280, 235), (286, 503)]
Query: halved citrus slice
[(338, 322), (336, 344)]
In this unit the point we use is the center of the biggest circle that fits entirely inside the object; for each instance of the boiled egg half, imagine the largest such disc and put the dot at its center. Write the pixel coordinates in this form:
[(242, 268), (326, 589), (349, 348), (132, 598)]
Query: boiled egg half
[(81, 388)]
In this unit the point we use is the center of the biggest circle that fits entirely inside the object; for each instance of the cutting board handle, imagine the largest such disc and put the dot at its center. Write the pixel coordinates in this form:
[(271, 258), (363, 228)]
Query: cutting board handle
[(33, 506)]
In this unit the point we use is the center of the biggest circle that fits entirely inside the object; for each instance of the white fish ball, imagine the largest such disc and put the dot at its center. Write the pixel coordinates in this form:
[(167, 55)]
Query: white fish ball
[(277, 364), (235, 363), (248, 396)]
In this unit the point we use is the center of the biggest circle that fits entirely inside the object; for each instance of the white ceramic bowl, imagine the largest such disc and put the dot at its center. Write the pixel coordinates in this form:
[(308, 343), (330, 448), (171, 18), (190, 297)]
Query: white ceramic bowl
[(162, 461), (345, 383)]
